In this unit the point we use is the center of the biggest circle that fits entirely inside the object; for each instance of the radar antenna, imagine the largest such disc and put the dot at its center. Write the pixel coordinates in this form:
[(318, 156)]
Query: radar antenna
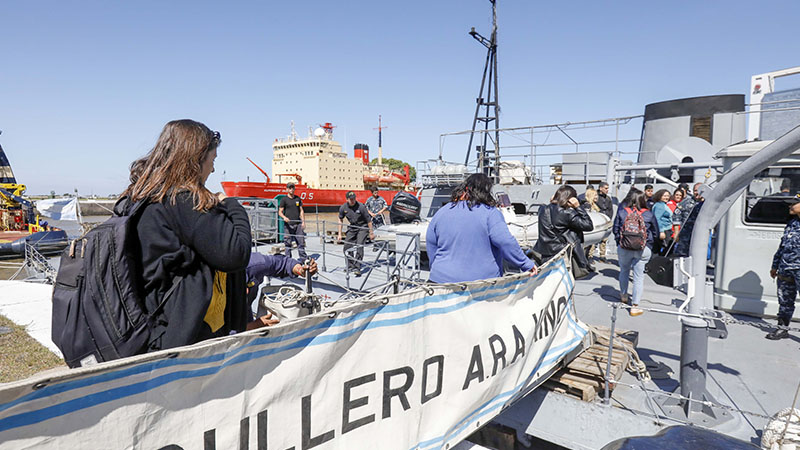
[(380, 146), (488, 158)]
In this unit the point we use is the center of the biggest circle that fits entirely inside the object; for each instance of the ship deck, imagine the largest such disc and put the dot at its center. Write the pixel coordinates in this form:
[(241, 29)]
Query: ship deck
[(753, 378)]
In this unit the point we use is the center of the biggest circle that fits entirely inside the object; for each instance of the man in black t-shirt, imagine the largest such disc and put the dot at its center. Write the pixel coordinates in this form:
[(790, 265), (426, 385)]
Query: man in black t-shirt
[(290, 210), (360, 223)]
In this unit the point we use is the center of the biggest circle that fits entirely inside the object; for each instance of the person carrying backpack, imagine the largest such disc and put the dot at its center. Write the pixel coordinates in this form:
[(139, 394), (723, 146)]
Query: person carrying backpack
[(634, 230), (168, 269), (192, 241)]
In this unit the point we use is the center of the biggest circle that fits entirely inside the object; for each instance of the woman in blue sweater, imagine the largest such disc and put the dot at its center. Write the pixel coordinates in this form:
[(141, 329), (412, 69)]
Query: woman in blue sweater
[(663, 215), (468, 239)]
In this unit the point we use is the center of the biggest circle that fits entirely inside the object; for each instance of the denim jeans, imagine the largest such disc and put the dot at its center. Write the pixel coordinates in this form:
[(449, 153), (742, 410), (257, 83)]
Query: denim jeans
[(636, 260)]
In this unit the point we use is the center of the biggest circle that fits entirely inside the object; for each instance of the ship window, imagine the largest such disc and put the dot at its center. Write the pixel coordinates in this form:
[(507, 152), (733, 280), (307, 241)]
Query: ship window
[(766, 196), (503, 200), (701, 127)]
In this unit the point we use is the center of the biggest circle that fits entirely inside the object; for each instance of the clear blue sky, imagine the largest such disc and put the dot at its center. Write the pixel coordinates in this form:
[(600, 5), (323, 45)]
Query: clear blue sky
[(87, 86)]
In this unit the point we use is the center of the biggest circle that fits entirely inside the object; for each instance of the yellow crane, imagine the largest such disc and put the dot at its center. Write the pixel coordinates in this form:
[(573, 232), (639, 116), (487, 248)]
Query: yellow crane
[(16, 212)]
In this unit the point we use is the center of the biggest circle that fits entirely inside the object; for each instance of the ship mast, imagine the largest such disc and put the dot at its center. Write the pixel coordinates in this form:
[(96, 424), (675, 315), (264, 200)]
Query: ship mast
[(380, 147), (488, 158)]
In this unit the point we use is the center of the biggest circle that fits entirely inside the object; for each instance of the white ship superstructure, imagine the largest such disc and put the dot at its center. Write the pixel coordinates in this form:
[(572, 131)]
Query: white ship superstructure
[(319, 160)]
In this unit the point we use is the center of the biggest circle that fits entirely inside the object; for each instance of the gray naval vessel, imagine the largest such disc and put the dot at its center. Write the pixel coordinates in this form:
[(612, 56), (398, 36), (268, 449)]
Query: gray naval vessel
[(701, 339), (698, 372), (701, 373)]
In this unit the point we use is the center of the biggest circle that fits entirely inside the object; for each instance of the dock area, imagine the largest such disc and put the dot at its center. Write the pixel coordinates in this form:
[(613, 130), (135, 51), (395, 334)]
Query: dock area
[(636, 402)]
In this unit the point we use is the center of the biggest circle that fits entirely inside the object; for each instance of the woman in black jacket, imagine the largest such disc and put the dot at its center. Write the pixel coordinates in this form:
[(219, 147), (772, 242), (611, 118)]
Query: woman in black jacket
[(193, 242), (562, 222)]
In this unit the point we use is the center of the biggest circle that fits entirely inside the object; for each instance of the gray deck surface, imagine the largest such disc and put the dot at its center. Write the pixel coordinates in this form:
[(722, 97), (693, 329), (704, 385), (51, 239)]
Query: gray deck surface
[(746, 371)]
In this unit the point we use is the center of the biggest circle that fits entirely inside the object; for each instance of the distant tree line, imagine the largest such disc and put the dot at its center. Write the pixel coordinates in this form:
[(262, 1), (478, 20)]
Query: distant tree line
[(397, 166)]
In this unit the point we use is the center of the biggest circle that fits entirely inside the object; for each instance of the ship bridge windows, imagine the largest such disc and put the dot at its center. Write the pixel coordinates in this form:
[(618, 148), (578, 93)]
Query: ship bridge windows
[(766, 196)]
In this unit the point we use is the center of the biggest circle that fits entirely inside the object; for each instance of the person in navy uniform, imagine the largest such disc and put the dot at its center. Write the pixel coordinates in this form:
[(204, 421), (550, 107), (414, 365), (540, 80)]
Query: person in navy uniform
[(291, 211), (786, 269)]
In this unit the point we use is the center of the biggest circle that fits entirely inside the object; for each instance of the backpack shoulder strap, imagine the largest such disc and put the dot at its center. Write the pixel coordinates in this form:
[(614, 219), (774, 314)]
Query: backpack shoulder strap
[(124, 208), (175, 282), (137, 208)]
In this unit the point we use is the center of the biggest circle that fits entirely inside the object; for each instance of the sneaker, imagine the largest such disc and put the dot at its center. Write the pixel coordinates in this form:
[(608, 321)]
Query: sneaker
[(624, 298), (635, 311), (777, 334), (357, 273)]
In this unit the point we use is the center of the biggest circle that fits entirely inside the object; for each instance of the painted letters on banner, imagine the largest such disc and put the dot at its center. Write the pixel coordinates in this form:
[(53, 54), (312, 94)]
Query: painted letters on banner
[(421, 369)]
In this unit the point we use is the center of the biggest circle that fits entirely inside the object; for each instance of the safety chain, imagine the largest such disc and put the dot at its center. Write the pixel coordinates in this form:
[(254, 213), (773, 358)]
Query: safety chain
[(680, 397), (729, 320), (726, 318)]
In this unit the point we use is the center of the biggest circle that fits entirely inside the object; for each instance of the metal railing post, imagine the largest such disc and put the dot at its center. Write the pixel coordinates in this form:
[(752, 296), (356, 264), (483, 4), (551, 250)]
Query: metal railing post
[(388, 268), (324, 238), (607, 395)]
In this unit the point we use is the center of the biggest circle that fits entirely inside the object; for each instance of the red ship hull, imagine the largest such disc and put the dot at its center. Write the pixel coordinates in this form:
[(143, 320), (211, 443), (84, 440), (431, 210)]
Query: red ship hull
[(323, 198)]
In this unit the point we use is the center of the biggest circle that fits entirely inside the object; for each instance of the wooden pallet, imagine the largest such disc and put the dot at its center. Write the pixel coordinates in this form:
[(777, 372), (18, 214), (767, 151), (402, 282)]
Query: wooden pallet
[(584, 376)]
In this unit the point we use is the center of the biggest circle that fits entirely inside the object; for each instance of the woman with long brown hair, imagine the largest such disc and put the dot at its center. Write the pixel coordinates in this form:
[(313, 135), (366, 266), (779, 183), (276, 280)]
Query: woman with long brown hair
[(195, 245)]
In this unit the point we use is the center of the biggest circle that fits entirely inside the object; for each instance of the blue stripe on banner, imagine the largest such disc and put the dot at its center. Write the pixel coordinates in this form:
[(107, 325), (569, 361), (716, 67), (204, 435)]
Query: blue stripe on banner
[(70, 406), (548, 358), (330, 324), (487, 407)]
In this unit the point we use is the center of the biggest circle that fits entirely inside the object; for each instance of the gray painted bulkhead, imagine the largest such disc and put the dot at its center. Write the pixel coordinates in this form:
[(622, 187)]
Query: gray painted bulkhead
[(744, 250)]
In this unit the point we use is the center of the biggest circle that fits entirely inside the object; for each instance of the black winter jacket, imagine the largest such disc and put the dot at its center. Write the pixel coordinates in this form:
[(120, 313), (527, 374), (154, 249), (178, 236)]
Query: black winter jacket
[(606, 205), (177, 241), (555, 223)]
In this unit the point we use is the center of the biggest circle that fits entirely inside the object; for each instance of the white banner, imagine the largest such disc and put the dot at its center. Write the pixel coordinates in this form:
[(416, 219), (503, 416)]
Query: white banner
[(421, 369), (59, 208)]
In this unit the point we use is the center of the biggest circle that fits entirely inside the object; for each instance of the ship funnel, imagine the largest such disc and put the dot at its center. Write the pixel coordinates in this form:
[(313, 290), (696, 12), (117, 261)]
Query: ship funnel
[(361, 151)]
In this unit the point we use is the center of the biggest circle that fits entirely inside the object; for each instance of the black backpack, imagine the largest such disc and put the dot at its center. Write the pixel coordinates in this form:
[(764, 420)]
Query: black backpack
[(98, 306)]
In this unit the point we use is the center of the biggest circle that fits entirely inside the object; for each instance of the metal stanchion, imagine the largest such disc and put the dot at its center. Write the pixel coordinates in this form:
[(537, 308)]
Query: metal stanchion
[(388, 268), (308, 276), (607, 398), (324, 238)]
